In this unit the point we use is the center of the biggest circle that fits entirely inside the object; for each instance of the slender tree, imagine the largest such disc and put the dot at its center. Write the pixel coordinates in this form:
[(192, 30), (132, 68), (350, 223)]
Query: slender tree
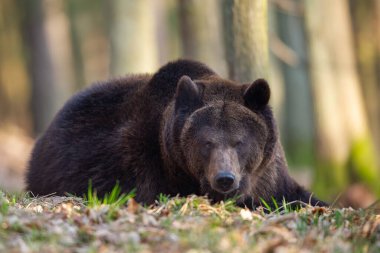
[(133, 38), (366, 24), (246, 38), (298, 130), (14, 83), (90, 41), (167, 30), (47, 38), (201, 32), (344, 140)]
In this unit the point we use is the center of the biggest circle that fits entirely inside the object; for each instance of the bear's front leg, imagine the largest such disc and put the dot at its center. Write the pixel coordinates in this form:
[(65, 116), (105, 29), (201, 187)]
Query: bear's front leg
[(149, 187)]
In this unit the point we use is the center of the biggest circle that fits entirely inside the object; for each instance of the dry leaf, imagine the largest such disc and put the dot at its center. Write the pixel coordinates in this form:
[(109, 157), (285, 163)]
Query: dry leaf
[(246, 214), (133, 206)]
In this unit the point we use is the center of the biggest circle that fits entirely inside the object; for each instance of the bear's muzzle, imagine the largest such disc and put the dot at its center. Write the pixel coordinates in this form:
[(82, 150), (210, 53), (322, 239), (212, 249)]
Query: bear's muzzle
[(223, 171)]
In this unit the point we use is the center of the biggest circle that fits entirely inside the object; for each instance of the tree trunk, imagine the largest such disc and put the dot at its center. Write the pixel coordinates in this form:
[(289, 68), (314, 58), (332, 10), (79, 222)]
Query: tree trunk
[(167, 30), (88, 24), (342, 129), (246, 39), (50, 58), (366, 23), (298, 130), (201, 33), (133, 39), (14, 85)]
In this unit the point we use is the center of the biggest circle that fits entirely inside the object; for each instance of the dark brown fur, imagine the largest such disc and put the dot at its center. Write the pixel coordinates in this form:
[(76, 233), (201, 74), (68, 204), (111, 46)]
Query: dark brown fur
[(170, 133)]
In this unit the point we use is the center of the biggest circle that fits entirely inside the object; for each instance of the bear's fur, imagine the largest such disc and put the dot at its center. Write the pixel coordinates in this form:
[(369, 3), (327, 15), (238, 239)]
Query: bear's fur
[(183, 130)]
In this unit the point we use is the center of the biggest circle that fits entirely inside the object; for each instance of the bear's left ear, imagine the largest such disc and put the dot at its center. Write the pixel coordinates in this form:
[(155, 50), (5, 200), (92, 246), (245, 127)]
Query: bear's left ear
[(257, 95), (187, 94)]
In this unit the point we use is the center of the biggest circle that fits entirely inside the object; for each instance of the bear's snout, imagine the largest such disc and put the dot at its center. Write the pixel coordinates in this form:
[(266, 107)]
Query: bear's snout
[(224, 181), (224, 170)]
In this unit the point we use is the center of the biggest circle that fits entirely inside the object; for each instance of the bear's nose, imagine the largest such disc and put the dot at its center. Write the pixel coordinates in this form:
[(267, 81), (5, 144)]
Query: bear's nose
[(224, 181)]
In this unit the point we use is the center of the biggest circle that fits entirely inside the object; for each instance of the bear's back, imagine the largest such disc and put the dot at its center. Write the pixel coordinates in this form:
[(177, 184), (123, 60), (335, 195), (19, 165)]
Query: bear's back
[(102, 131), (82, 134)]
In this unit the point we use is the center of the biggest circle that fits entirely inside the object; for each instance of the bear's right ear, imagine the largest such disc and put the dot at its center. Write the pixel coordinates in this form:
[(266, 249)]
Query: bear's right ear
[(187, 94), (257, 95)]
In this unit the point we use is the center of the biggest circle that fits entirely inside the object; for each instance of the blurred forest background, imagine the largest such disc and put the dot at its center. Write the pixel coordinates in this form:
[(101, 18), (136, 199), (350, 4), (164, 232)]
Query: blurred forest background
[(321, 57)]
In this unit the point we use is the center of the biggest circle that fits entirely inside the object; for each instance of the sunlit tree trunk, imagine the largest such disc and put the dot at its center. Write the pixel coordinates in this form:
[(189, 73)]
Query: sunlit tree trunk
[(88, 25), (167, 30), (50, 58), (246, 38), (201, 33), (133, 39), (14, 83), (366, 24), (342, 126), (275, 78)]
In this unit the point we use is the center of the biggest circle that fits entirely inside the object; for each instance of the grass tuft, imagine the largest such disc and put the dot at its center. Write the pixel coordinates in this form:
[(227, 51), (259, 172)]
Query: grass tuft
[(163, 199), (275, 204), (267, 206), (115, 198), (4, 204)]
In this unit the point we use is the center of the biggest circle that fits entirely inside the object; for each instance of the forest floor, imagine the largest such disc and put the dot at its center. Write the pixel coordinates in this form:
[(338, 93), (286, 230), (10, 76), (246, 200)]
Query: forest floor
[(70, 224)]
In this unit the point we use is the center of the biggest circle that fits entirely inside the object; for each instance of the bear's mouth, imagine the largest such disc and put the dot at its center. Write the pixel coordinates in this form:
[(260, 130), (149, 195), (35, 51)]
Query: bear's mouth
[(217, 196)]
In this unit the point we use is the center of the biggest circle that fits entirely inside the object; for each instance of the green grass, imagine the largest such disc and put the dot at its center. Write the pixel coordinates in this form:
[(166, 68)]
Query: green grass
[(4, 204), (163, 198), (115, 223), (110, 201), (115, 198)]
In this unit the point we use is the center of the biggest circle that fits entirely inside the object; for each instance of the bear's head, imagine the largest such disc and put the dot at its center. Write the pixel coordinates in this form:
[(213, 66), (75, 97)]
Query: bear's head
[(218, 133)]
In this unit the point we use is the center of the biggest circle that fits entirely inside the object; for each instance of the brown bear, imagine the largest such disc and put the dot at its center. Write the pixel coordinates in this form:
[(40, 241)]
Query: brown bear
[(183, 130)]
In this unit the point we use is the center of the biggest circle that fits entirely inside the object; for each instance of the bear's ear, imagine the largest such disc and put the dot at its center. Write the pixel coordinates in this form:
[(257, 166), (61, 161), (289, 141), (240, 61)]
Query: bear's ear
[(187, 94), (257, 95)]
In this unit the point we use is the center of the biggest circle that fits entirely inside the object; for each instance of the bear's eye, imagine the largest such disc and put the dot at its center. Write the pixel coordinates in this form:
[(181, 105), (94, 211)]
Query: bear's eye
[(206, 148), (237, 144), (208, 144)]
